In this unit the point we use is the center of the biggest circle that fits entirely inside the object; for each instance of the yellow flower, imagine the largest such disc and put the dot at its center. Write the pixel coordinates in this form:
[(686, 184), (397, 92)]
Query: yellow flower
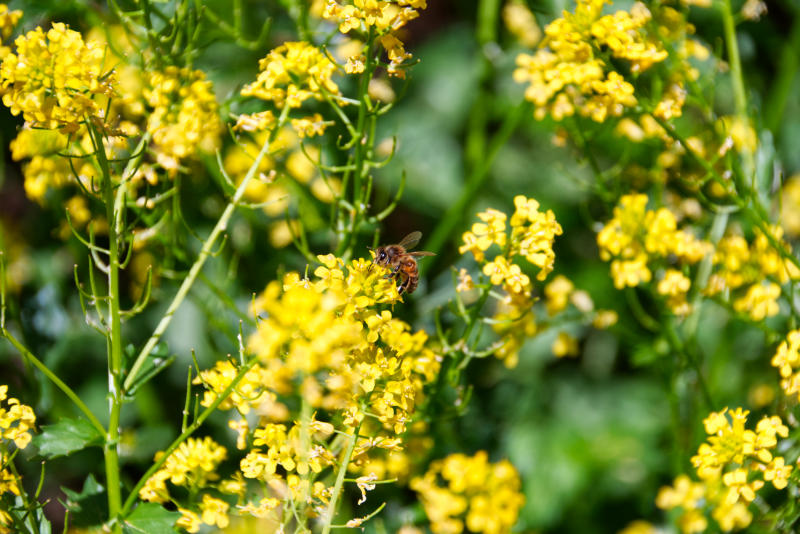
[(189, 521), (521, 23), (485, 497), (778, 473), (557, 294), (760, 301), (293, 73), (567, 75), (193, 464), (185, 116), (16, 420), (565, 345), (51, 78), (214, 511)]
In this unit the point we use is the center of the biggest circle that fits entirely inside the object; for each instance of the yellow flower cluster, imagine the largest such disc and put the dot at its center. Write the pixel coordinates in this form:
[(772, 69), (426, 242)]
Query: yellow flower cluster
[(323, 343), (192, 465), (184, 117), (52, 77), (568, 72), (753, 270), (293, 73), (467, 491), (732, 465), (16, 422), (381, 17), (532, 236), (637, 240), (787, 360)]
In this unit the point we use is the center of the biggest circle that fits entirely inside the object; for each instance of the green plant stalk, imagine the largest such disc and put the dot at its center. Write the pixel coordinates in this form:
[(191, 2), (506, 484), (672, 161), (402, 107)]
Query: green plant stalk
[(739, 92), (133, 496), (359, 167), (23, 495), (729, 26), (305, 446), (110, 446), (330, 513), (485, 35), (205, 252), (71, 395)]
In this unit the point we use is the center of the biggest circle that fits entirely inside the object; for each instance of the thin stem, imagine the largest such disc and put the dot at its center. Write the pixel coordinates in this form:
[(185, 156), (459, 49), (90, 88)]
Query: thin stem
[(739, 92), (133, 496), (113, 215), (28, 355), (205, 252), (340, 476)]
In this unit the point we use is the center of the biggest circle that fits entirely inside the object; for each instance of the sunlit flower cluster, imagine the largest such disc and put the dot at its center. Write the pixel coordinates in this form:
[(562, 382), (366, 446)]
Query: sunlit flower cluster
[(732, 465), (17, 420), (325, 343), (532, 234), (637, 241), (384, 18), (52, 78), (753, 271), (467, 492), (184, 117), (192, 465), (568, 73), (290, 74)]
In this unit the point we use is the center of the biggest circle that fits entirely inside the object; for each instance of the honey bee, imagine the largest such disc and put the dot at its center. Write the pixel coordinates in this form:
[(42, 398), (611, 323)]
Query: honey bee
[(402, 262)]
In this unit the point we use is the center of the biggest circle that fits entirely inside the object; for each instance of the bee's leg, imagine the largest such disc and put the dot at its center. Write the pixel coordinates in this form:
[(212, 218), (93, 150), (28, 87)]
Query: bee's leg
[(394, 272), (403, 286)]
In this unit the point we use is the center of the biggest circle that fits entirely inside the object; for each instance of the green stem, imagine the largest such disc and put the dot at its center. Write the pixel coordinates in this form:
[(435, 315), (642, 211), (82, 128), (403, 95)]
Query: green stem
[(330, 513), (739, 92), (111, 445), (360, 168), (729, 25), (205, 252), (133, 496), (28, 355)]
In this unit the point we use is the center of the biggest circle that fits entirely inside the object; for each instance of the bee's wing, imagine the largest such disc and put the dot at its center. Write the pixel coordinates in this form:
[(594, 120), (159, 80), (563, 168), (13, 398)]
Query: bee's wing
[(419, 253), (411, 240)]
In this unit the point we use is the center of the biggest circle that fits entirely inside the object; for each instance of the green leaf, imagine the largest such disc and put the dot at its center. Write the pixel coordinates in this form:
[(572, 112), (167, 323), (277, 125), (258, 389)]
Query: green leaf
[(151, 518), (89, 507), (66, 437)]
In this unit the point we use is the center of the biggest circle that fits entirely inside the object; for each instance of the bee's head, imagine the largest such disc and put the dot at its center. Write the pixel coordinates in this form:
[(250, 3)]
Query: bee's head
[(381, 256)]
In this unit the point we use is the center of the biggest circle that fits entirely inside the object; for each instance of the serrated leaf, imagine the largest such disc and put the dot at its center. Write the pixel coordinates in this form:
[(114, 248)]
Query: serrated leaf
[(66, 437), (151, 518)]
